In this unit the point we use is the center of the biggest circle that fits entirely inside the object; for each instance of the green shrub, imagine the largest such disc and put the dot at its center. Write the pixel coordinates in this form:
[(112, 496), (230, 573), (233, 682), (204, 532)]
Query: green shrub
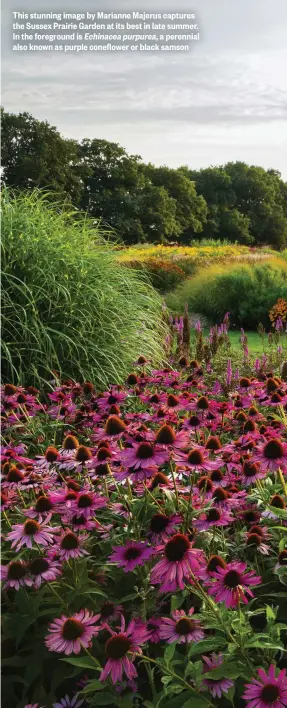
[(67, 303), (247, 291)]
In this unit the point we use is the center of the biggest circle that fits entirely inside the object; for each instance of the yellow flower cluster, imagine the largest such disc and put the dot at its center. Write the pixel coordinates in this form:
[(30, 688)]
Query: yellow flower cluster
[(178, 252)]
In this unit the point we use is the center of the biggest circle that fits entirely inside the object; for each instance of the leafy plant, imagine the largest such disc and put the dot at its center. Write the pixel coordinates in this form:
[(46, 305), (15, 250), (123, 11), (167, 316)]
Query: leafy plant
[(67, 303)]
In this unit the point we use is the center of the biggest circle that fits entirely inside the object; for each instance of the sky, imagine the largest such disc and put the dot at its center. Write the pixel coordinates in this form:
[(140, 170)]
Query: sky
[(225, 100)]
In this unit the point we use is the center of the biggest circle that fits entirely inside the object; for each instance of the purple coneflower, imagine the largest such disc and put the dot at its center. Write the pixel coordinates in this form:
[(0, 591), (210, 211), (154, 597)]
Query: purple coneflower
[(119, 646), (213, 517), (272, 455), (71, 546), (231, 584), (109, 611), (70, 634), (161, 527), (181, 628), (170, 438), (269, 691), (144, 456), (196, 459), (86, 503), (15, 575), (44, 570), (179, 562), (216, 686), (29, 532), (132, 554)]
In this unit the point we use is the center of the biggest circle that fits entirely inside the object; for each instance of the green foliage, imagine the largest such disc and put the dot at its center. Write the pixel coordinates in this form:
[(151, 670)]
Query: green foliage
[(246, 291), (191, 209), (245, 203), (120, 193), (67, 303), (141, 202), (34, 154)]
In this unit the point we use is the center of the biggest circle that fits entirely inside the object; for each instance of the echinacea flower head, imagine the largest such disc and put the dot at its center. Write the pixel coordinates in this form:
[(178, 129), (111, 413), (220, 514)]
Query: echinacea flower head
[(69, 634), (216, 686), (181, 628), (132, 554), (86, 503), (161, 526), (15, 575), (180, 561), (196, 459), (71, 545), (272, 455), (110, 611), (31, 532), (144, 456), (119, 646), (232, 583), (43, 570), (213, 517), (269, 691)]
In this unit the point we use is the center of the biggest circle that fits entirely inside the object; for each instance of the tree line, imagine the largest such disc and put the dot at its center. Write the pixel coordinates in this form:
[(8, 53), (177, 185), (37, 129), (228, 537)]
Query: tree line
[(141, 202)]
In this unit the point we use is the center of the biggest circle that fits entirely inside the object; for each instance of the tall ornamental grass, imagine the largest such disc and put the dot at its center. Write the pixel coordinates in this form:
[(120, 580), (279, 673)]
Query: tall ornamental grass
[(67, 303), (247, 291)]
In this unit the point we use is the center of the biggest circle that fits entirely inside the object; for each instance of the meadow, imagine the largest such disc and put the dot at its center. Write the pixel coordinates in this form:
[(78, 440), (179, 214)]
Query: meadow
[(144, 472)]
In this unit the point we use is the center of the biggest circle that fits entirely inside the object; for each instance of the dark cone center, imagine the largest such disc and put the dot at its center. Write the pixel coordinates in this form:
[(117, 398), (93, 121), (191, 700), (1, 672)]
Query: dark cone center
[(165, 435), (83, 454), (172, 401), (202, 403), (107, 609), (103, 454), (214, 563), (158, 479), (205, 484), (114, 425), (39, 565), (132, 553), (213, 515), (72, 629), (16, 571), (250, 470), (184, 626), (194, 421), (277, 501), (144, 451), (195, 457), (51, 454), (213, 443), (253, 539), (273, 449), (232, 579), (43, 504), (84, 501), (31, 527), (220, 494), (70, 443), (69, 542), (158, 523), (176, 547), (117, 646), (269, 693)]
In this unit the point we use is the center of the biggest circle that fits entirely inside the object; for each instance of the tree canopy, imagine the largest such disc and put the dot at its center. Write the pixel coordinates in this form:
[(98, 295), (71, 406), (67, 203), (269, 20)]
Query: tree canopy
[(142, 202)]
